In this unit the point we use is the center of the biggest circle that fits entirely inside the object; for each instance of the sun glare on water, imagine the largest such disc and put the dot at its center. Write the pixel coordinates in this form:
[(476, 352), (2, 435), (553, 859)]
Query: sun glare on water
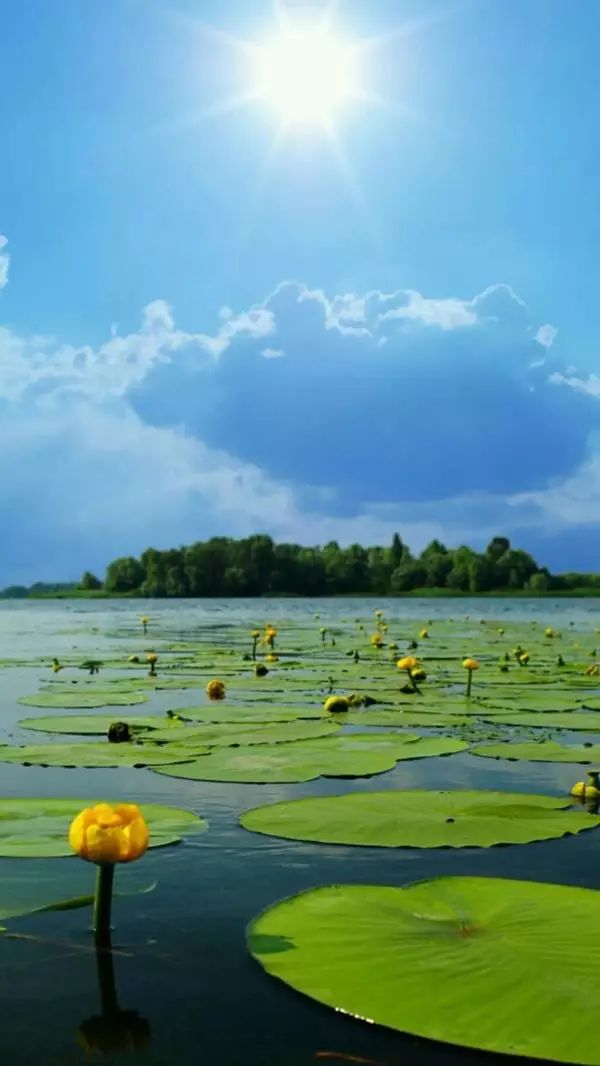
[(306, 75)]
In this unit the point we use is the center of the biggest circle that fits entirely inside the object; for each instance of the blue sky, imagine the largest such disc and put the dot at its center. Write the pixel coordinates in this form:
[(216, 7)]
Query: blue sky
[(209, 326)]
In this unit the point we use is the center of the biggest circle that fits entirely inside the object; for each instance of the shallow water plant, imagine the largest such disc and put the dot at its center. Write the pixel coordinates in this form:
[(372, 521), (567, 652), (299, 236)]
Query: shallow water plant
[(470, 665), (107, 835)]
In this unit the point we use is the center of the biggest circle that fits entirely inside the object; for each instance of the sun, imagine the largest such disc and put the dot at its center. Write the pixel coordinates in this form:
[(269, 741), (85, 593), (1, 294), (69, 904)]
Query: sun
[(306, 75)]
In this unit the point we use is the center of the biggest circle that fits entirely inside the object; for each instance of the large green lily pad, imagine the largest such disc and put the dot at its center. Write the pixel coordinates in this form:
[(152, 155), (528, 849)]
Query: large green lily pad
[(420, 819), (38, 828), (93, 754), (84, 698), (259, 712), (497, 965), (97, 724), (536, 751), (587, 721), (226, 734), (344, 755), (395, 718)]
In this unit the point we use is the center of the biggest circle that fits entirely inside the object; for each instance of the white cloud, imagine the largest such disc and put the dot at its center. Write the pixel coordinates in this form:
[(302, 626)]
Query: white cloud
[(546, 335), (354, 315), (272, 353), (588, 386), (4, 262)]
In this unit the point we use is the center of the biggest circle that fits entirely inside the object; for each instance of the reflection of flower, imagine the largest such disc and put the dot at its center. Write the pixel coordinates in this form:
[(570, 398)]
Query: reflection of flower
[(106, 834), (125, 1030), (113, 1030), (215, 690)]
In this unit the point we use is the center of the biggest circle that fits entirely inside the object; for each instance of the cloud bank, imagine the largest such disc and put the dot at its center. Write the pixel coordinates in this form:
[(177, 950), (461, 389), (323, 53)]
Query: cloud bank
[(309, 416)]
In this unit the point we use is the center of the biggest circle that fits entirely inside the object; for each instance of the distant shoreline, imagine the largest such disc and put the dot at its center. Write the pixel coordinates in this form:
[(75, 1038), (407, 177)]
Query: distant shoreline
[(425, 593)]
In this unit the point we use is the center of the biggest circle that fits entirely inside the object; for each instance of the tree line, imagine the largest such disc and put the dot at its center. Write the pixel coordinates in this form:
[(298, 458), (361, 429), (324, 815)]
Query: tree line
[(256, 566)]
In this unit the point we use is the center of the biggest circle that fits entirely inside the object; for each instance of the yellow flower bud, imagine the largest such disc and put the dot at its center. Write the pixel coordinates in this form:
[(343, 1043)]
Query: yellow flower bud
[(424, 634), (470, 664), (152, 657), (407, 663), (272, 658), (337, 704), (215, 690), (105, 834)]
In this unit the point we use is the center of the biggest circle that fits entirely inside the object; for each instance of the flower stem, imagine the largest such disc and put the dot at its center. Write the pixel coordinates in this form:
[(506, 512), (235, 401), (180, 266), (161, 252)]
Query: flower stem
[(102, 904), (469, 681)]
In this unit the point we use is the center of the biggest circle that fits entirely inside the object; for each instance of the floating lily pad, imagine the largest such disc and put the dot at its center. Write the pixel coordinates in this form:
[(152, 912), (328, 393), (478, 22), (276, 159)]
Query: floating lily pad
[(226, 734), (344, 755), (535, 751), (99, 753), (96, 724), (420, 819), (485, 963), (83, 698), (260, 712), (588, 721), (38, 828), (395, 718)]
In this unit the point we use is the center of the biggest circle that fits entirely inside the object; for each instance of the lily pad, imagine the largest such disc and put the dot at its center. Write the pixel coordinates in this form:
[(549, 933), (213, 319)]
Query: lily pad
[(395, 718), (227, 734), (535, 751), (588, 721), (260, 712), (420, 819), (38, 828), (94, 754), (83, 698), (484, 963), (96, 724), (344, 755)]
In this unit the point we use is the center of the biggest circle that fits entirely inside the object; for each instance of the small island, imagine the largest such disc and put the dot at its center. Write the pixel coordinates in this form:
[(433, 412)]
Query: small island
[(257, 566)]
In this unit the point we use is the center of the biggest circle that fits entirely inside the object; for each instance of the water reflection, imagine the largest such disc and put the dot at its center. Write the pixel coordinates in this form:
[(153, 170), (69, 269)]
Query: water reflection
[(112, 1030)]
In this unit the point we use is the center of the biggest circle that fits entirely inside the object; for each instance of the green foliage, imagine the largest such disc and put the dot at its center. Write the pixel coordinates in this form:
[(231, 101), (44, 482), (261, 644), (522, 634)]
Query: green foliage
[(419, 819), (38, 828), (256, 566), (487, 963)]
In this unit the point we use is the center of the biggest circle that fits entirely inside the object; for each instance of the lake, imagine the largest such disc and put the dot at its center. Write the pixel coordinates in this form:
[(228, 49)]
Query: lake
[(180, 958)]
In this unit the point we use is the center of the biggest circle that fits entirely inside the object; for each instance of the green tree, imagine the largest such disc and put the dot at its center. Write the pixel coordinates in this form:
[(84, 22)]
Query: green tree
[(89, 582), (124, 575)]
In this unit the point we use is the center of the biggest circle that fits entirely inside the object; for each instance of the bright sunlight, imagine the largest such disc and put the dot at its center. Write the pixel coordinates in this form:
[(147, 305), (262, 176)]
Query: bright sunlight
[(306, 75)]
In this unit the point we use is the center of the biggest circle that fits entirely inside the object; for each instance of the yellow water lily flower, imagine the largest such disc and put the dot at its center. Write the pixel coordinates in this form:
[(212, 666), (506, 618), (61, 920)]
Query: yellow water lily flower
[(215, 690), (549, 632), (152, 657), (592, 670), (144, 619), (108, 834), (587, 790), (133, 659), (271, 658), (418, 674), (337, 704), (470, 664), (524, 658), (255, 634), (424, 634), (407, 663), (379, 614), (377, 640)]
